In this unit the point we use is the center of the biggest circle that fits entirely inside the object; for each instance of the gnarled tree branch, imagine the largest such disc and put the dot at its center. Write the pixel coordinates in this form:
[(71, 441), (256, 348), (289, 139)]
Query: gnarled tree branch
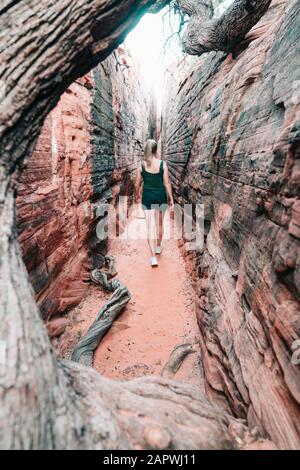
[(205, 33)]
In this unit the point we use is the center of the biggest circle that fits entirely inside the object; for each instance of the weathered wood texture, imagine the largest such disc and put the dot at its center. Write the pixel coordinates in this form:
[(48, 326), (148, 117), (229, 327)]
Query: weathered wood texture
[(205, 33), (158, 5), (177, 356), (84, 350)]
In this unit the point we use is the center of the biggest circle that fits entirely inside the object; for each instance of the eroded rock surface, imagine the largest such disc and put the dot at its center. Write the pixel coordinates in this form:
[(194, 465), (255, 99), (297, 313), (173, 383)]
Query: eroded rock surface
[(231, 137)]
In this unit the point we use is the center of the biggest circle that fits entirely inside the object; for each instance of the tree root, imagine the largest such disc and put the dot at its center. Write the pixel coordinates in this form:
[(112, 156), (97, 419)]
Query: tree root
[(177, 356), (84, 350), (153, 413)]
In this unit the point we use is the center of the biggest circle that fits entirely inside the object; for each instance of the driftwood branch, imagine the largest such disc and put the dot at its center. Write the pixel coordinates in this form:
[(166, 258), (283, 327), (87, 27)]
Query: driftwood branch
[(84, 350)]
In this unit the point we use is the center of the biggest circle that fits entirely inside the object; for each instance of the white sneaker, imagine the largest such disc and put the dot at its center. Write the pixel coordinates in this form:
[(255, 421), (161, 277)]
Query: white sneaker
[(158, 250), (153, 261)]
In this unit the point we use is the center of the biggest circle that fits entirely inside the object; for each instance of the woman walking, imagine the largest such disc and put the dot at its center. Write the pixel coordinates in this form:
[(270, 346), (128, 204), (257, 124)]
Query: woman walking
[(154, 175)]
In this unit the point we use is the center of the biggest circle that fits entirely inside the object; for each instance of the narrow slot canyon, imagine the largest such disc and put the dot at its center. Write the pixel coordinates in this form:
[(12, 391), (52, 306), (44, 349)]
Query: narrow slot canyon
[(202, 351), (159, 317)]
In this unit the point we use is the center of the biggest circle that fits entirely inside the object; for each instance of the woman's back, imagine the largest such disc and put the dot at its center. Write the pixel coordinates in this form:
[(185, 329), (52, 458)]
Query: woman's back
[(155, 176), (153, 179)]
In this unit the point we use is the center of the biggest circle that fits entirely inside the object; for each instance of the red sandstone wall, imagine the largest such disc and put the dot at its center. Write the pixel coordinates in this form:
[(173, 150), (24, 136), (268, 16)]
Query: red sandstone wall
[(86, 154), (54, 203), (231, 138)]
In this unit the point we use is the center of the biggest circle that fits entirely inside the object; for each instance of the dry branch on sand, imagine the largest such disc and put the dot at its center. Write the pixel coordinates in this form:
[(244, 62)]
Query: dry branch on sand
[(84, 350)]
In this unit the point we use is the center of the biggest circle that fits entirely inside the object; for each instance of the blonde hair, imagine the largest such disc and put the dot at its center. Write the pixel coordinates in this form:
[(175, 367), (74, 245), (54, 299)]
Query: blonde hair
[(150, 150)]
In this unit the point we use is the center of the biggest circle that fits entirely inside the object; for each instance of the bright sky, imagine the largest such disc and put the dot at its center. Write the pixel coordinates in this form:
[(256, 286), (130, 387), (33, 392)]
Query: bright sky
[(146, 43)]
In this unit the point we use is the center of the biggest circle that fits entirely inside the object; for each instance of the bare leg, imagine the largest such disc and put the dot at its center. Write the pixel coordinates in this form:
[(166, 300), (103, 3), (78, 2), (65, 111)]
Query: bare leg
[(159, 216), (151, 230)]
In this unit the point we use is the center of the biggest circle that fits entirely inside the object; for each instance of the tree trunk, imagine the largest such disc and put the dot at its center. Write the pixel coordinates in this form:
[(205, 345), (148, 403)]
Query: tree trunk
[(47, 403)]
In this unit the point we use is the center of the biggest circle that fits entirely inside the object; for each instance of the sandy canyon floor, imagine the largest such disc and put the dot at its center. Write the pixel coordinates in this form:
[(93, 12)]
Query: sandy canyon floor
[(159, 317)]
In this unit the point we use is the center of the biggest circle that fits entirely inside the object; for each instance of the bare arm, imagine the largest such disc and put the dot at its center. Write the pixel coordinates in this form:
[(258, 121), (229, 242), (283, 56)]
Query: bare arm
[(138, 180), (167, 184)]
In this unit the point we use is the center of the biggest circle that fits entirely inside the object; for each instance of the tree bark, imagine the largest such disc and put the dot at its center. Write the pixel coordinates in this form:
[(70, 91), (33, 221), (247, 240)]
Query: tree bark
[(204, 33), (47, 403), (158, 5)]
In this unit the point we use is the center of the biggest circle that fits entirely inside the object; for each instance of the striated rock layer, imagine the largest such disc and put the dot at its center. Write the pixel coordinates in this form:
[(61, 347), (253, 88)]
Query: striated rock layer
[(85, 155), (231, 137)]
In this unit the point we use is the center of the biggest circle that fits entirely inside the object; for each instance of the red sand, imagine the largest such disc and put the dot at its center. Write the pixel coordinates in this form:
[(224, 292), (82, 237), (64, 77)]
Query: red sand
[(159, 316)]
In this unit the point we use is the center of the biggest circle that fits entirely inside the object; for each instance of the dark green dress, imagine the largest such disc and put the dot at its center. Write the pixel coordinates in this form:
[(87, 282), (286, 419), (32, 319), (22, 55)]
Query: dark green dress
[(154, 191)]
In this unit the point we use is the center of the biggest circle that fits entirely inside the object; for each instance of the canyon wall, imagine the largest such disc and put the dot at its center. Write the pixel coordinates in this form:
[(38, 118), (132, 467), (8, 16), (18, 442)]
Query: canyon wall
[(231, 138), (85, 156)]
